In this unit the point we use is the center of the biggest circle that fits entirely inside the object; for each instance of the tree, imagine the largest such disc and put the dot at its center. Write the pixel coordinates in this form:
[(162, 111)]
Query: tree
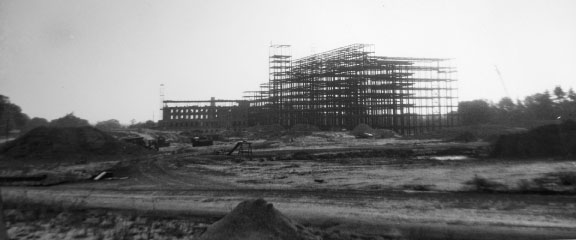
[(540, 106), (11, 116), (69, 121), (559, 93), (34, 123), (108, 125), (148, 124), (567, 108), (474, 112), (506, 104), (571, 95)]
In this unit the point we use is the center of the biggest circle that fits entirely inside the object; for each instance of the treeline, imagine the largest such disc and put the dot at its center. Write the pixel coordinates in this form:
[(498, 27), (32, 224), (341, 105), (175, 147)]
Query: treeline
[(11, 116), (14, 121), (545, 106), (539, 107), (114, 124)]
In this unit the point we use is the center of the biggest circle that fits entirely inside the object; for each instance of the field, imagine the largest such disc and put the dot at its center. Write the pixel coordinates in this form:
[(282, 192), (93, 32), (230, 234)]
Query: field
[(338, 186)]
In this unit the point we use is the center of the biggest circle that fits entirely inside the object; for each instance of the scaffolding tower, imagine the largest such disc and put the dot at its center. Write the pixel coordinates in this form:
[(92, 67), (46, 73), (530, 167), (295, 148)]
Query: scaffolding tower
[(348, 86)]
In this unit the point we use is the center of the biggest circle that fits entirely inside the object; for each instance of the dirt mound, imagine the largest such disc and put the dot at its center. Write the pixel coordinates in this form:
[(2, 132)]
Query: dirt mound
[(67, 143), (265, 131), (255, 220), (302, 130), (555, 140)]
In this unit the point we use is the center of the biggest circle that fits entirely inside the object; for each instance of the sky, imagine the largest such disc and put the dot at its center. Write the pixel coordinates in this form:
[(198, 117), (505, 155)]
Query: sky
[(107, 59)]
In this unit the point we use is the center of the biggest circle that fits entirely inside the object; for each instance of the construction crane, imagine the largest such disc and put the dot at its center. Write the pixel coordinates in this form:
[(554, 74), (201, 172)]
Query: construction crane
[(502, 81), (161, 101)]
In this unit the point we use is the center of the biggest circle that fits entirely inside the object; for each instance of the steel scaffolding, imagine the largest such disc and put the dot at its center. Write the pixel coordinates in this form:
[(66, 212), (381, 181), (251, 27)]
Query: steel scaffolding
[(348, 86)]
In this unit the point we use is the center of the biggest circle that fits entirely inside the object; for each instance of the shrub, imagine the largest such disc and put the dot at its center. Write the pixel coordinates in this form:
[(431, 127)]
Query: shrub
[(482, 184), (565, 178), (556, 140), (557, 182)]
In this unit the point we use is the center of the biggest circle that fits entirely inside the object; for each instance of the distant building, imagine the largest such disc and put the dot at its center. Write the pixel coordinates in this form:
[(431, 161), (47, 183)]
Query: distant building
[(207, 116)]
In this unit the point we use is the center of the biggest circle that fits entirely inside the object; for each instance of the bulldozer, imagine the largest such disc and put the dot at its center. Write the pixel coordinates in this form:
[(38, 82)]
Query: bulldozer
[(155, 144), (201, 141)]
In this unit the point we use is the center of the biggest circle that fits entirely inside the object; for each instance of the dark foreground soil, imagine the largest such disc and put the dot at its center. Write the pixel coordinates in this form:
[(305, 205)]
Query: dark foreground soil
[(384, 192)]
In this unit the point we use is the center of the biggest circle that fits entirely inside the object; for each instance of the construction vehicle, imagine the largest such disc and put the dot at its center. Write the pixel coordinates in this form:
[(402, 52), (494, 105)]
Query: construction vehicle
[(201, 141), (158, 143), (155, 144)]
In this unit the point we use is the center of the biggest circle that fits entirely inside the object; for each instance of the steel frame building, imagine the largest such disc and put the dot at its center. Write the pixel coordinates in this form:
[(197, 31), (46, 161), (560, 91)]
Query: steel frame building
[(347, 86)]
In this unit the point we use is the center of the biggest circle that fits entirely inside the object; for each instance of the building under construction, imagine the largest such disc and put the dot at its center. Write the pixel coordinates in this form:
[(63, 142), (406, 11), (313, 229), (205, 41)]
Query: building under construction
[(338, 89)]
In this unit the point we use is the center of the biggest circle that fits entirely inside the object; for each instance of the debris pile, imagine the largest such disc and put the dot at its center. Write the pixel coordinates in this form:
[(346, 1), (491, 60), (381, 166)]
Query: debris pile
[(555, 140), (67, 143), (365, 131), (256, 220)]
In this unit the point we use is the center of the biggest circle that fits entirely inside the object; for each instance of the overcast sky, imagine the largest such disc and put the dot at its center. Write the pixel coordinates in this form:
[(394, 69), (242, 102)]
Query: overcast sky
[(106, 59)]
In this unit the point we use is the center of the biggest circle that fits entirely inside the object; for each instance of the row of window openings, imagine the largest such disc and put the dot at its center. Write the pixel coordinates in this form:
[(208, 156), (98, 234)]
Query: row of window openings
[(188, 110), (191, 116), (193, 124), (196, 125)]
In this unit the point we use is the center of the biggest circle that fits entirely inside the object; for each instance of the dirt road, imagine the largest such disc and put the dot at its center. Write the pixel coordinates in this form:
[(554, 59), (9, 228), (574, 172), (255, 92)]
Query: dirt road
[(534, 216)]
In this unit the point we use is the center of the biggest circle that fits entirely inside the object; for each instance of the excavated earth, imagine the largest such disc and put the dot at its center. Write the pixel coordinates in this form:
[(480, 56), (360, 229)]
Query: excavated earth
[(332, 185)]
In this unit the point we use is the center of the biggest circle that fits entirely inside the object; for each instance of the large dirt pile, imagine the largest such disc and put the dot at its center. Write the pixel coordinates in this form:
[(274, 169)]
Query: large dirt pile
[(256, 220), (555, 140), (67, 143)]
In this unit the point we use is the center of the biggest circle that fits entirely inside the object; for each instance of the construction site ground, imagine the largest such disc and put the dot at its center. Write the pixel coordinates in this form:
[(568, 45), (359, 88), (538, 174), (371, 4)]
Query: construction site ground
[(334, 181)]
